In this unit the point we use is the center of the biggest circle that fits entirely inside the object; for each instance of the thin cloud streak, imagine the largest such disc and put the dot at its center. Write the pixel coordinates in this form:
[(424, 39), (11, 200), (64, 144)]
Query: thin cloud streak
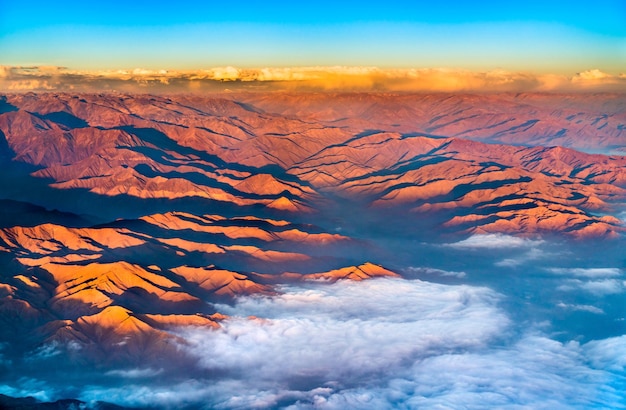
[(588, 272), (581, 308), (337, 78), (595, 287), (419, 271)]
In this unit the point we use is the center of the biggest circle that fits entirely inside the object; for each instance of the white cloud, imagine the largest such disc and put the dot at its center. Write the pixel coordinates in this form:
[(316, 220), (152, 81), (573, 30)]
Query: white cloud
[(495, 241), (45, 351), (331, 331), (313, 341), (536, 373), (582, 308), (532, 254), (405, 300), (596, 281), (595, 287), (201, 394), (587, 272), (608, 354), (135, 373), (391, 343), (416, 270)]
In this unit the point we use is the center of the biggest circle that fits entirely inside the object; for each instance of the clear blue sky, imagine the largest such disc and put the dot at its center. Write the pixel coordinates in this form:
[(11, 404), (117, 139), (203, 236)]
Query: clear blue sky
[(543, 36)]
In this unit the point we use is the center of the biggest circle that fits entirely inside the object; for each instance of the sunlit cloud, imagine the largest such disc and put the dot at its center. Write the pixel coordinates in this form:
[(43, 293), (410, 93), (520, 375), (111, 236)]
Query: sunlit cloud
[(596, 78), (337, 78)]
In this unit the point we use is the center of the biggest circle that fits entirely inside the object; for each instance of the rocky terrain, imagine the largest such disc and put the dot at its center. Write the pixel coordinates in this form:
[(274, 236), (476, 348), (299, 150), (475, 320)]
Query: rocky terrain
[(127, 216)]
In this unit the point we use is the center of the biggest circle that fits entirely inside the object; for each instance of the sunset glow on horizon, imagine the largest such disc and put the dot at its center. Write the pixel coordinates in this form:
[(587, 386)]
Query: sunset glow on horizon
[(559, 38), (307, 79)]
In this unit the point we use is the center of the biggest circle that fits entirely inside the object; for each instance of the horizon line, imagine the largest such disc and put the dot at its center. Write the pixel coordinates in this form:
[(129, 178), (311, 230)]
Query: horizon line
[(40, 78)]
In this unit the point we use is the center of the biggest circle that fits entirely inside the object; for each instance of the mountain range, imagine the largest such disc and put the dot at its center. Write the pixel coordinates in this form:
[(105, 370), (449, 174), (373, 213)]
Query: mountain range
[(127, 216)]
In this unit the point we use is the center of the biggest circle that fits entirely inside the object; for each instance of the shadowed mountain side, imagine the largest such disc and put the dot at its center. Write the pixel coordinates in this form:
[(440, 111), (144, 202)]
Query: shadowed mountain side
[(6, 153), (75, 207), (17, 213), (66, 119), (5, 106)]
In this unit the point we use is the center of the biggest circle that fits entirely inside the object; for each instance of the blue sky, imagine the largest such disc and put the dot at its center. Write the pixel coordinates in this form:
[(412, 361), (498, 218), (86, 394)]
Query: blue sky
[(537, 36)]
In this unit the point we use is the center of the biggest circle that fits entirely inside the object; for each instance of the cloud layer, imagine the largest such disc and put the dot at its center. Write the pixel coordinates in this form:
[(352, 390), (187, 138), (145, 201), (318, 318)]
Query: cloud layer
[(384, 343), (333, 332), (339, 78)]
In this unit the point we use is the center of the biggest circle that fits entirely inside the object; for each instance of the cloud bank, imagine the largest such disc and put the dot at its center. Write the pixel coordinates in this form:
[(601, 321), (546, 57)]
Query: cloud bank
[(383, 343), (339, 78)]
